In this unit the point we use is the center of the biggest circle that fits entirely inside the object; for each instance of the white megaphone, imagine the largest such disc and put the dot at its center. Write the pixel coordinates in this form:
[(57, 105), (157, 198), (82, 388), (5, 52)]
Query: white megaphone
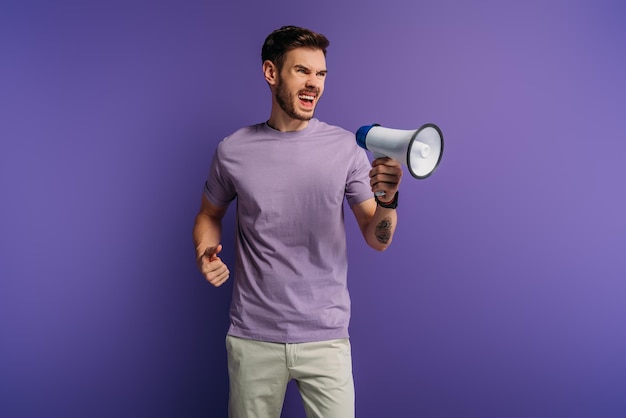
[(419, 149)]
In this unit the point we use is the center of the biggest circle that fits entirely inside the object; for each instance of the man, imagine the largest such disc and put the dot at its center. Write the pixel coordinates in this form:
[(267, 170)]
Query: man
[(290, 305)]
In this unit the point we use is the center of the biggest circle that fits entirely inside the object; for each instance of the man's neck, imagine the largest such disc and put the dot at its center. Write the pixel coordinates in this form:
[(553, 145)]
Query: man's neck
[(283, 123)]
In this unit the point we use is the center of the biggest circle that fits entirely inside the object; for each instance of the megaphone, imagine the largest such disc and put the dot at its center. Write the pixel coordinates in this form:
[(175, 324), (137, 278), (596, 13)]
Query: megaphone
[(419, 149)]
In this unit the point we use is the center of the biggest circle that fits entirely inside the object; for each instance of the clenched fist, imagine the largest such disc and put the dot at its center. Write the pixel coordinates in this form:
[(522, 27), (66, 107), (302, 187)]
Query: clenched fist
[(212, 267)]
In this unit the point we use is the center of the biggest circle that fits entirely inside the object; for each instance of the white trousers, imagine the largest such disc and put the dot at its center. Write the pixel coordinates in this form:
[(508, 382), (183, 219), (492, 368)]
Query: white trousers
[(259, 373)]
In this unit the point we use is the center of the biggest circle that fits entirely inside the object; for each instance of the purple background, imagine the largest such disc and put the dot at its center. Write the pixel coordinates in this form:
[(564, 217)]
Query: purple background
[(503, 294)]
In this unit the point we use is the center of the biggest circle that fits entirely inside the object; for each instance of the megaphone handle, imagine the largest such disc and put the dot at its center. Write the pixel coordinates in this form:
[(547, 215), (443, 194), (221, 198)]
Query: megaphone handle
[(376, 155)]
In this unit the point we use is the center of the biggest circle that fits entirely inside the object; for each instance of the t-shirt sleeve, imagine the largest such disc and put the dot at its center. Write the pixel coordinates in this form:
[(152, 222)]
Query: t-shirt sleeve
[(218, 188), (358, 182)]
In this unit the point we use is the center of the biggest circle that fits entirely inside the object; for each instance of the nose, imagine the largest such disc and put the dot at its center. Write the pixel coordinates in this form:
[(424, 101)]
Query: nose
[(314, 81)]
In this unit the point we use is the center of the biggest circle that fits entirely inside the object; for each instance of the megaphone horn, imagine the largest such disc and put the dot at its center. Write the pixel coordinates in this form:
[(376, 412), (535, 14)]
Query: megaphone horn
[(419, 149)]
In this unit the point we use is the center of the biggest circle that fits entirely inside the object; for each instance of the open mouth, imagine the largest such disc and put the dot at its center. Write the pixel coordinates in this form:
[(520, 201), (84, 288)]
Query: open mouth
[(307, 98)]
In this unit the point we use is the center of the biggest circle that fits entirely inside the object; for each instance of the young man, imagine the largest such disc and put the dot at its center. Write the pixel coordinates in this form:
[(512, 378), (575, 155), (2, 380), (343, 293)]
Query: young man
[(290, 306)]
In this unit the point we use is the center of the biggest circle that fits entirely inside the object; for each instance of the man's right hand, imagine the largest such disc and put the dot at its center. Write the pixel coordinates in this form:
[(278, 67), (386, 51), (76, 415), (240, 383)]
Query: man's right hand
[(212, 267)]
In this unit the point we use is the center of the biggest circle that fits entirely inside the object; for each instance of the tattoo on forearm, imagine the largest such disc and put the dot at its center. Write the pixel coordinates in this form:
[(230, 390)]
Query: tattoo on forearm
[(383, 231)]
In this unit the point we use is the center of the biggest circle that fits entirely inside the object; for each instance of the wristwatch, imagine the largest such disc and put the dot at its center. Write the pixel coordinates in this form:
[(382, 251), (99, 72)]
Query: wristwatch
[(389, 205)]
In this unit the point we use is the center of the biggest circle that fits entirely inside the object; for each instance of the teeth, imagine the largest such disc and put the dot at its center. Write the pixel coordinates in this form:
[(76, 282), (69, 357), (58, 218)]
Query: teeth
[(302, 96)]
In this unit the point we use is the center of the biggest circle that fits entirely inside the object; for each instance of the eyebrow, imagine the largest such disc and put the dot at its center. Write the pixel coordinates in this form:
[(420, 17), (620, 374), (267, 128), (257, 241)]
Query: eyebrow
[(304, 67)]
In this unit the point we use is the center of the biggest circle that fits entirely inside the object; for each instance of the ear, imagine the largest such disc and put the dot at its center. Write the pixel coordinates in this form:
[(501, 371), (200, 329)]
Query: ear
[(270, 72)]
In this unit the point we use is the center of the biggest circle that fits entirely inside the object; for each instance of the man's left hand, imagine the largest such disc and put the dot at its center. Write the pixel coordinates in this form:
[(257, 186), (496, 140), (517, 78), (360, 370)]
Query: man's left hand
[(385, 177)]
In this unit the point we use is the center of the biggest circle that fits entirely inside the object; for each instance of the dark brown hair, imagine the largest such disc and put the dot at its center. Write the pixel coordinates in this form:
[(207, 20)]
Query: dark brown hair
[(283, 40)]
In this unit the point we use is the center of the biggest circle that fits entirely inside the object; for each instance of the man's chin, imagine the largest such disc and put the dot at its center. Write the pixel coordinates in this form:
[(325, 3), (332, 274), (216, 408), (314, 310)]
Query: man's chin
[(306, 115)]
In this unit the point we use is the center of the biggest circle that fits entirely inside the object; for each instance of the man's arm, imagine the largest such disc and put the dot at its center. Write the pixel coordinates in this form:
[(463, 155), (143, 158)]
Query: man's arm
[(207, 233), (376, 222)]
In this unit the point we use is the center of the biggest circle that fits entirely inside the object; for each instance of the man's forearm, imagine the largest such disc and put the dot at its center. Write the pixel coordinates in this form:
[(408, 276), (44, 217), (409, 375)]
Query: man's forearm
[(207, 232), (381, 228)]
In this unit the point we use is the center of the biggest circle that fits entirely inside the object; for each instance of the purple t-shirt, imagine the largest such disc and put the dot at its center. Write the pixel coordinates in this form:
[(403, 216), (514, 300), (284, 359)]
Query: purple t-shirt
[(290, 276)]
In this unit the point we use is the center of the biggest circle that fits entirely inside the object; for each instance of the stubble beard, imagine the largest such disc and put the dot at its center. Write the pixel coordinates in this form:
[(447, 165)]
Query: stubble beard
[(286, 102)]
